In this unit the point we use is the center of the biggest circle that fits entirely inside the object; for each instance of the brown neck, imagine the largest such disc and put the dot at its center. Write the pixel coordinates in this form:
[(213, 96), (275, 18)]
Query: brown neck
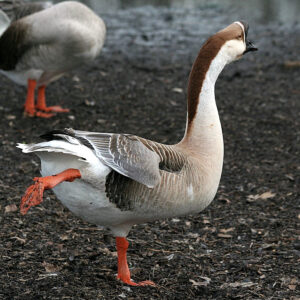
[(200, 67)]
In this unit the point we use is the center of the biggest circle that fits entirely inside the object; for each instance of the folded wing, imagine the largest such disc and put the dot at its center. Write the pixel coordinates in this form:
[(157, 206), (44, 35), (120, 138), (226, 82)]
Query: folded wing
[(123, 153)]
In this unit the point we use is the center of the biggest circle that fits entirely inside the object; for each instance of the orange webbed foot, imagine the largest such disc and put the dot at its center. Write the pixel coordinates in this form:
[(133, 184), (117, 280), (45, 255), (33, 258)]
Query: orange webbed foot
[(132, 283), (123, 270), (55, 108), (34, 113), (33, 195), (44, 115)]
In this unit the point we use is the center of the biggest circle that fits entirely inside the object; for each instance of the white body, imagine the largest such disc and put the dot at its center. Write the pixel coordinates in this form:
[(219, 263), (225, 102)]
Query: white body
[(62, 37), (87, 199), (188, 189)]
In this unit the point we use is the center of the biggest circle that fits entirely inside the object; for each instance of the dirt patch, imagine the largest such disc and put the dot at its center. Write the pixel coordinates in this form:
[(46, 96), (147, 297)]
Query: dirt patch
[(243, 246)]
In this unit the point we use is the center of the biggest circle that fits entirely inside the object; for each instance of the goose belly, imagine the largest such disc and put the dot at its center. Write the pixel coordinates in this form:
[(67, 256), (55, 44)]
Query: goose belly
[(21, 77), (85, 197), (86, 201)]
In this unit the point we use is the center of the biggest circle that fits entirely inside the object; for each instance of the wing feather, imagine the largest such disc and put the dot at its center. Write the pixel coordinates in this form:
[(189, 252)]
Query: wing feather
[(125, 154)]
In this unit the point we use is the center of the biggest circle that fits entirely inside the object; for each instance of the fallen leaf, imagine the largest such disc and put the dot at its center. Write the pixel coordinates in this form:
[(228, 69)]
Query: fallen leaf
[(238, 284), (10, 117), (76, 78), (227, 230), (290, 177), (89, 103), (225, 236), (226, 200), (177, 90), (49, 268), (292, 64), (266, 195), (201, 283), (292, 287), (64, 237), (193, 235), (11, 208), (170, 257), (294, 281), (268, 246), (126, 288), (122, 295), (22, 241), (175, 220)]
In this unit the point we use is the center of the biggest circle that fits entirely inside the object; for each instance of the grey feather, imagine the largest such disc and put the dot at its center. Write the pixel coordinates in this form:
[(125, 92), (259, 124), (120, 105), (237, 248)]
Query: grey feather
[(125, 154)]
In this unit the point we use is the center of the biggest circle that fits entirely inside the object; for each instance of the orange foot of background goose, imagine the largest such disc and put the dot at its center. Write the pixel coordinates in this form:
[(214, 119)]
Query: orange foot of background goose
[(123, 270), (40, 109), (34, 194)]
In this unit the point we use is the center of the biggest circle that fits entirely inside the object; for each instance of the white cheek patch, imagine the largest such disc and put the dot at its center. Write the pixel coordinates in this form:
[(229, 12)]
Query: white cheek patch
[(234, 49)]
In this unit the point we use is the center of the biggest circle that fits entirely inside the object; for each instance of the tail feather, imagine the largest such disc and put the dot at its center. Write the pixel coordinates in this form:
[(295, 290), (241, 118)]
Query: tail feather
[(57, 134), (55, 146), (67, 134)]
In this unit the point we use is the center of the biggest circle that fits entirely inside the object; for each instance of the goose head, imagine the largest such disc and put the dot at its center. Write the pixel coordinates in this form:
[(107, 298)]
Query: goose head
[(234, 41)]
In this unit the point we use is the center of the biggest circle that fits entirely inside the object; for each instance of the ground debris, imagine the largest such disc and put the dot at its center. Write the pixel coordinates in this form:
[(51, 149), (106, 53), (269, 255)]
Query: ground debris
[(262, 196), (238, 284), (10, 208), (246, 241)]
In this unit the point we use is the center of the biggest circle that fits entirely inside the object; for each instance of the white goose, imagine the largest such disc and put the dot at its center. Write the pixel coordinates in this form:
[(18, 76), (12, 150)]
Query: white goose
[(118, 180), (42, 45)]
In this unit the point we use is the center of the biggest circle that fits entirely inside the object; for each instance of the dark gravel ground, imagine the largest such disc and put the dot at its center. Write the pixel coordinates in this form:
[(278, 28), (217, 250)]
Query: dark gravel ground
[(243, 246)]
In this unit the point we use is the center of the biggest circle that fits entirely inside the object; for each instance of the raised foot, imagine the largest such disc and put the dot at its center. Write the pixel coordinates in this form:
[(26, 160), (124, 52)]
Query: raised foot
[(55, 108), (142, 283), (33, 195)]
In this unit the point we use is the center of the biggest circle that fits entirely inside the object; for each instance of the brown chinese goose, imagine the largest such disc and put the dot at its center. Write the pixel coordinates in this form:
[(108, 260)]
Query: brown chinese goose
[(118, 180), (45, 42)]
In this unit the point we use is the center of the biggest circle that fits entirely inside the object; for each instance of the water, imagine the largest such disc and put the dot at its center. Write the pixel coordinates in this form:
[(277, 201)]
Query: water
[(170, 30), (284, 12)]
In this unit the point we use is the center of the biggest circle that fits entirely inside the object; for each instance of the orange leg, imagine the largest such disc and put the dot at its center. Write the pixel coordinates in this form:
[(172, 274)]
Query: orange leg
[(34, 194), (29, 103), (41, 102), (123, 270)]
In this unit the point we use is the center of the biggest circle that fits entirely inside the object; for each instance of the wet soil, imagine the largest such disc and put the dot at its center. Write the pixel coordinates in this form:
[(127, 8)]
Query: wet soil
[(243, 246)]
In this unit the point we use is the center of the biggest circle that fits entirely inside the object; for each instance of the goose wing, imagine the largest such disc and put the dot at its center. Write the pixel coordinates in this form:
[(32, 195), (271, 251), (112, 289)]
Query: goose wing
[(125, 154)]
